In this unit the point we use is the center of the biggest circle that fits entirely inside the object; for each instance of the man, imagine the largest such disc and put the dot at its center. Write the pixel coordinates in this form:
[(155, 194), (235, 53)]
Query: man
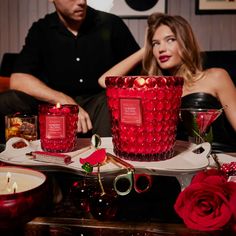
[(64, 55)]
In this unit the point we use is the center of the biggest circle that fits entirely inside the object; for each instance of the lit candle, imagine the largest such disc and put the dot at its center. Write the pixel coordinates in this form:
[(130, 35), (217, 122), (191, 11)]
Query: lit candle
[(22, 198), (55, 109), (58, 127), (14, 186), (8, 177), (58, 105), (19, 179), (144, 112)]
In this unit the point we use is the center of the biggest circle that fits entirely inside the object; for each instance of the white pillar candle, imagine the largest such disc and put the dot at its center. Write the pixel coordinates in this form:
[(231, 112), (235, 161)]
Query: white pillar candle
[(20, 179)]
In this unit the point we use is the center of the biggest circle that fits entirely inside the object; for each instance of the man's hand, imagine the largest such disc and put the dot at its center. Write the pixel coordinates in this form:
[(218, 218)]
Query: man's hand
[(36, 88), (84, 122)]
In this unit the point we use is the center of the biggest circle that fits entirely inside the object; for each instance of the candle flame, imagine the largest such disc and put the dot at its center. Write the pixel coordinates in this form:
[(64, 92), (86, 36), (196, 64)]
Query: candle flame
[(8, 177), (58, 105), (14, 186)]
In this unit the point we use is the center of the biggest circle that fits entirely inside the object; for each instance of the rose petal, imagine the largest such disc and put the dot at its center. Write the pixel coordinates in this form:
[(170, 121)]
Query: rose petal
[(215, 180), (204, 174), (231, 189)]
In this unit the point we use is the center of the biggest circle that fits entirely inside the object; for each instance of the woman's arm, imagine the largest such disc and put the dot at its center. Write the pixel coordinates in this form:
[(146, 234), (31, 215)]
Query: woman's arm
[(123, 67)]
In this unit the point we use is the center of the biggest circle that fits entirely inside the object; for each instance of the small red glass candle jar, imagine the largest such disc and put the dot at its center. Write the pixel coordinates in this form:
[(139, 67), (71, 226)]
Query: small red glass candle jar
[(144, 111), (58, 127), (23, 194)]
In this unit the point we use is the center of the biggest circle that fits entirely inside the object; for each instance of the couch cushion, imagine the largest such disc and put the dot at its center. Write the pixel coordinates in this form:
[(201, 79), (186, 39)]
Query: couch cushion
[(222, 59), (8, 61), (4, 83)]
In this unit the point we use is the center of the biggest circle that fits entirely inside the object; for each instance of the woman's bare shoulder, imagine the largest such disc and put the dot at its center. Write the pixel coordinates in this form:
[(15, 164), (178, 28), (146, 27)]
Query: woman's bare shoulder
[(219, 75), (216, 72), (219, 80)]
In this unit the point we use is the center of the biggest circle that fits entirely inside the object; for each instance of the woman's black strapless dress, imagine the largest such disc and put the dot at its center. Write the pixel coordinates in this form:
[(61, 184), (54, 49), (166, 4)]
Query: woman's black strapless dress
[(224, 137)]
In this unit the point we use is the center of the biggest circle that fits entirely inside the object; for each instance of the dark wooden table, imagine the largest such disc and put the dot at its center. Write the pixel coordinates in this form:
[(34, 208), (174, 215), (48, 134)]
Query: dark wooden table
[(135, 219), (139, 214), (48, 226)]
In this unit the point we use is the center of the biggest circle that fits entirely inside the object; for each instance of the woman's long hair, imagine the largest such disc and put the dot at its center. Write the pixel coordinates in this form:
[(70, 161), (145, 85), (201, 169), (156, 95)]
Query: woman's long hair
[(191, 67)]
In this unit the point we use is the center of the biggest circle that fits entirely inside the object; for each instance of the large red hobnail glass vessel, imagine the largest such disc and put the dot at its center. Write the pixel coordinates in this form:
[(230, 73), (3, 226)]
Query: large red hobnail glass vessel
[(58, 127), (144, 112)]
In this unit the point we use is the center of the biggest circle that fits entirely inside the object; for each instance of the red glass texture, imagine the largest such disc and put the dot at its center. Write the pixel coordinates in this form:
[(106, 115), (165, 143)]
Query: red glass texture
[(160, 97), (68, 117)]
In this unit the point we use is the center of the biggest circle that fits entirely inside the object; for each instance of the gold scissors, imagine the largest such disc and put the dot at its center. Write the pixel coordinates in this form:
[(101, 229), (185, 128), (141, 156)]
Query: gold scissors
[(124, 183)]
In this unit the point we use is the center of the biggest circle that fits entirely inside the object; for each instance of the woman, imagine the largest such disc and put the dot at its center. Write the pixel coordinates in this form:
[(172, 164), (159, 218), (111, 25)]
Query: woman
[(171, 49)]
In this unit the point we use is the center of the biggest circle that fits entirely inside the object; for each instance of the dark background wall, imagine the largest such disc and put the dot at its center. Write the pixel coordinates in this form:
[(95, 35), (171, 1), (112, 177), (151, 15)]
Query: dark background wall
[(214, 32)]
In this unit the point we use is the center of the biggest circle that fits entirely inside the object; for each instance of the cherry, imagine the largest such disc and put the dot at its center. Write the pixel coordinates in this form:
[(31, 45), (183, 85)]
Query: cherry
[(81, 192), (103, 206)]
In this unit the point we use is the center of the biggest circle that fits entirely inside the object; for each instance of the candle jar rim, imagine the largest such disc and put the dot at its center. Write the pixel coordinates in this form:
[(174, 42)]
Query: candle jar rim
[(62, 105), (21, 115), (198, 109)]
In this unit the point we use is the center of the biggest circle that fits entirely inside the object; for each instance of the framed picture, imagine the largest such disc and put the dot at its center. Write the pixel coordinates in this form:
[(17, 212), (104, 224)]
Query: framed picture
[(129, 8), (215, 6)]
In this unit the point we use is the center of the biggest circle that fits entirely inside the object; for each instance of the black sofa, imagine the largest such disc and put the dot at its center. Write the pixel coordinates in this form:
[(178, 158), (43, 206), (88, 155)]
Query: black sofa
[(223, 59)]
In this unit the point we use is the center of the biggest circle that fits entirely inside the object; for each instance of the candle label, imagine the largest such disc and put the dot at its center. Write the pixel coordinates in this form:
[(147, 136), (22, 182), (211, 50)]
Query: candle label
[(55, 127), (131, 111)]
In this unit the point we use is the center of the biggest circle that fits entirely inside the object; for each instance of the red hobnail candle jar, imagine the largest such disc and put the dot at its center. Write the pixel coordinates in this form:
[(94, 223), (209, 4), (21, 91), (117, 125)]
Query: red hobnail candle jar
[(58, 127), (144, 112)]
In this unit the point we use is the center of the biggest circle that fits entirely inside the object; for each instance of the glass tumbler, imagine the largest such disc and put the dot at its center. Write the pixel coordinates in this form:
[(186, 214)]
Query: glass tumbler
[(21, 125)]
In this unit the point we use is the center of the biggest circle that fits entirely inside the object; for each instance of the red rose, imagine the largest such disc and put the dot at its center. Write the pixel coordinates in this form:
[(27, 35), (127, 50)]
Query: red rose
[(209, 176), (208, 203)]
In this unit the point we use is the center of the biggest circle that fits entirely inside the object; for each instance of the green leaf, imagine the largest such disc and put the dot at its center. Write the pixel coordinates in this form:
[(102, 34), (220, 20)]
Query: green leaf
[(209, 136), (195, 125)]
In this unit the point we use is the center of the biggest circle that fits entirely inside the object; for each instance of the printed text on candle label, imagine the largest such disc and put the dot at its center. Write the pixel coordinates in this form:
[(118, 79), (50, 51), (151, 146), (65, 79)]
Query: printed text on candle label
[(55, 127), (130, 111)]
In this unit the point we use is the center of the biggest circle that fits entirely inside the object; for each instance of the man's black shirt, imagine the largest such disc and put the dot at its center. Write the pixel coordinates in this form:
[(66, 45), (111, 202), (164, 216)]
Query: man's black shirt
[(72, 64)]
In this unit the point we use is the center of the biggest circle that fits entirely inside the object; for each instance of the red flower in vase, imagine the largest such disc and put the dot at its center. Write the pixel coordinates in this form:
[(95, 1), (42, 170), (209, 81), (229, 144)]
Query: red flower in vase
[(208, 203)]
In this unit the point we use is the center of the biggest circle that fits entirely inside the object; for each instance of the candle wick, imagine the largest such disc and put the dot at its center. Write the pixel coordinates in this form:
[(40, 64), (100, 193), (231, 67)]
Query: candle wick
[(14, 187), (8, 179)]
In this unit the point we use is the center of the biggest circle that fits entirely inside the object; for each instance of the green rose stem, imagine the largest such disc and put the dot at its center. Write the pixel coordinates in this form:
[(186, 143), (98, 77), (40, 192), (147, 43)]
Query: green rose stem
[(198, 135), (213, 155), (100, 181), (216, 160)]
